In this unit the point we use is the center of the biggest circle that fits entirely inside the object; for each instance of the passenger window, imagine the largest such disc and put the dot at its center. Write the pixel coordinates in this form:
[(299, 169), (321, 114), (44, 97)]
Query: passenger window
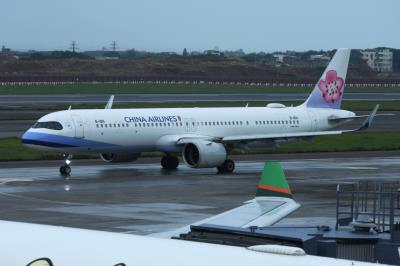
[(101, 125), (97, 125)]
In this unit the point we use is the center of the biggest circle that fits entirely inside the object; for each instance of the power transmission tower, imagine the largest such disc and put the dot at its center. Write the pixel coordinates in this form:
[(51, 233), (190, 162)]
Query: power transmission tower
[(74, 46), (114, 46)]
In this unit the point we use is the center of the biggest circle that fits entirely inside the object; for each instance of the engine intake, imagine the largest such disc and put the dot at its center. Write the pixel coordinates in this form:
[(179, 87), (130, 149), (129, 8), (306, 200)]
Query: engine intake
[(119, 157), (203, 154)]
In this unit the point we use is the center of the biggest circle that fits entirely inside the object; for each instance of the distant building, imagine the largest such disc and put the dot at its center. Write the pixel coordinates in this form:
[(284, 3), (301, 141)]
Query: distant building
[(319, 57), (396, 60), (279, 57), (214, 52), (379, 60)]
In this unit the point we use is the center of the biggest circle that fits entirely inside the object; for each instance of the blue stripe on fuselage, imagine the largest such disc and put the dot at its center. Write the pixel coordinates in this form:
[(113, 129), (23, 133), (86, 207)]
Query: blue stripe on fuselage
[(51, 140)]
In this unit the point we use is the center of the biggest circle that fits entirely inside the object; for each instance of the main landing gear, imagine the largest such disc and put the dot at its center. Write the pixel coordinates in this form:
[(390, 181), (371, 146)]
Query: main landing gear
[(227, 167), (65, 169), (169, 162)]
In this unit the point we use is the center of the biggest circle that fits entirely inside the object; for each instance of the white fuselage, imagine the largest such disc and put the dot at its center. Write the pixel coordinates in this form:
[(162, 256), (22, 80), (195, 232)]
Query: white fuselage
[(141, 130)]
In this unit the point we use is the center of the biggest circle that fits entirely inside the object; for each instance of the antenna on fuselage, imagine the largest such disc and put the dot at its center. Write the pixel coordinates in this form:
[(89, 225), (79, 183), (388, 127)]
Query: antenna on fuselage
[(69, 108), (247, 105), (110, 102)]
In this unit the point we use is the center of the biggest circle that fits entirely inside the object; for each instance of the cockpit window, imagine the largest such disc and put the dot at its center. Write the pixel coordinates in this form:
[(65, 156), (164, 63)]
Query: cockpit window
[(49, 125)]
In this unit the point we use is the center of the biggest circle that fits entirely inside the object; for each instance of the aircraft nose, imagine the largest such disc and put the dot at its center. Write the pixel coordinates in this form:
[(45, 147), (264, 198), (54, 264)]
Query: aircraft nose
[(25, 137)]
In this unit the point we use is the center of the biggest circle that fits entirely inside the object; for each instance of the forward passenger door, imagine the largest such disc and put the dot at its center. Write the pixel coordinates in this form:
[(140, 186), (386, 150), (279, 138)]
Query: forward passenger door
[(79, 126)]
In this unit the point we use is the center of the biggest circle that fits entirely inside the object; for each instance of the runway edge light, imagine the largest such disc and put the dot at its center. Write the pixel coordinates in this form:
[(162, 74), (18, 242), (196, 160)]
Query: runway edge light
[(273, 182)]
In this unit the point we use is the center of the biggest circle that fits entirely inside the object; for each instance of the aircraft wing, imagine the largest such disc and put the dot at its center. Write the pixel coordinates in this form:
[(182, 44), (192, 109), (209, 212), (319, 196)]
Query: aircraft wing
[(254, 137), (260, 212), (273, 202), (366, 124)]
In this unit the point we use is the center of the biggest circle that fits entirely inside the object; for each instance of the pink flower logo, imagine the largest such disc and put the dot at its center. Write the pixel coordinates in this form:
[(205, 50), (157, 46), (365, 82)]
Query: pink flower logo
[(331, 87)]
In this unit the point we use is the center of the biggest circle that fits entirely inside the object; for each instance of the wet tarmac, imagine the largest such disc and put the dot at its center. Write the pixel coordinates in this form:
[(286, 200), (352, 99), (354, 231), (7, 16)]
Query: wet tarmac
[(140, 198)]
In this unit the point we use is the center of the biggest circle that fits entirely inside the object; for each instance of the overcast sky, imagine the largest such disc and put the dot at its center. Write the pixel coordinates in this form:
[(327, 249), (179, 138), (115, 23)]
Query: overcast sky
[(171, 25)]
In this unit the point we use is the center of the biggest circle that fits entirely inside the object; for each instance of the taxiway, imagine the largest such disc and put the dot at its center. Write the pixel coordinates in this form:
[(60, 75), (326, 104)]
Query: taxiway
[(140, 198)]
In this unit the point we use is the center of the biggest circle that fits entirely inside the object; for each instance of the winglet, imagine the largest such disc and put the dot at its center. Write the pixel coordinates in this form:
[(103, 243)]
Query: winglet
[(368, 122), (273, 182), (110, 102)]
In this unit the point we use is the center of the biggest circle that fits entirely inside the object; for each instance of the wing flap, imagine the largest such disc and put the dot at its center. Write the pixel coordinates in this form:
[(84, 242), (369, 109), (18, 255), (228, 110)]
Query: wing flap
[(279, 136), (263, 211)]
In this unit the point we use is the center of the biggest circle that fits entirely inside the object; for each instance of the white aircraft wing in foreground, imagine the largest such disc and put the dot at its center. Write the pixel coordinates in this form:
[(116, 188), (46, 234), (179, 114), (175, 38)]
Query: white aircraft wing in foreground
[(272, 203)]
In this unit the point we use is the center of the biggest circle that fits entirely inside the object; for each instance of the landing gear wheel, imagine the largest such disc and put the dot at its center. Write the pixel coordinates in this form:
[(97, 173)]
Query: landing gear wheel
[(227, 167), (65, 170), (169, 162)]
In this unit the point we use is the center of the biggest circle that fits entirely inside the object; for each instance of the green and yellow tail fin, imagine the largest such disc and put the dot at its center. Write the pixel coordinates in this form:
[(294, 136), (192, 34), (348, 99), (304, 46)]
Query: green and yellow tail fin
[(273, 182)]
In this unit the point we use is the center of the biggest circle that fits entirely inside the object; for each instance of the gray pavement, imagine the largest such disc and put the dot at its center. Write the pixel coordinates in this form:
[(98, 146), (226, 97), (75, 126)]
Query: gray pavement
[(8, 100), (140, 198)]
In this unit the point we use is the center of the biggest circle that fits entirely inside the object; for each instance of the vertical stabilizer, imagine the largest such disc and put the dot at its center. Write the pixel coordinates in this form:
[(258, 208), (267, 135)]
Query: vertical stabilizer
[(273, 182), (328, 92)]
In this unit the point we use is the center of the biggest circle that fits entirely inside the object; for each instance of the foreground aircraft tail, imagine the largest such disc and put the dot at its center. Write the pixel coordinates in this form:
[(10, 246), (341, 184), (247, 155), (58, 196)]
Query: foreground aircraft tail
[(273, 182), (328, 92)]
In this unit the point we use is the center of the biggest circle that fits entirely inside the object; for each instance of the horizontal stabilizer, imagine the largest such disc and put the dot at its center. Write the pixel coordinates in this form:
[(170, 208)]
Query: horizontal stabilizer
[(368, 121)]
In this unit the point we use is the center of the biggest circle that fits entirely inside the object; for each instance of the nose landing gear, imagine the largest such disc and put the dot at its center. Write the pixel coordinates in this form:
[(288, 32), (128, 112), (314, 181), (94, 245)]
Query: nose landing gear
[(65, 169)]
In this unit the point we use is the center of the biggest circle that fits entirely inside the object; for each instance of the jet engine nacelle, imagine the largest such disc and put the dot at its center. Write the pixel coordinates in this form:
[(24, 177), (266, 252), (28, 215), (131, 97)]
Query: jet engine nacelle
[(203, 154), (119, 157)]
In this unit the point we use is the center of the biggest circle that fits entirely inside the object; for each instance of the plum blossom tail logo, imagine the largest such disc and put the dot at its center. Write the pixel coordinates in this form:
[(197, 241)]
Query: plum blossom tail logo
[(331, 87)]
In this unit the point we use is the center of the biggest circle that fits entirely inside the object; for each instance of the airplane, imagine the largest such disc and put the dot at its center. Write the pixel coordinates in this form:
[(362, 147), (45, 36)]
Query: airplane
[(45, 245), (202, 136)]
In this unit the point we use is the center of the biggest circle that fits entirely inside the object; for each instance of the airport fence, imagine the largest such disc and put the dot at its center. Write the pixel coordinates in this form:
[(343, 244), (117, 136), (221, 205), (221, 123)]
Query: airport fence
[(70, 80)]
